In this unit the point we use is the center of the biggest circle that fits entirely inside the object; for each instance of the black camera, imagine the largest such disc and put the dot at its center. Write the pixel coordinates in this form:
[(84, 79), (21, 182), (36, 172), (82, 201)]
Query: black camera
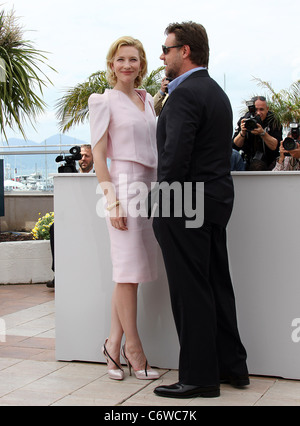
[(290, 142), (70, 160), (252, 122)]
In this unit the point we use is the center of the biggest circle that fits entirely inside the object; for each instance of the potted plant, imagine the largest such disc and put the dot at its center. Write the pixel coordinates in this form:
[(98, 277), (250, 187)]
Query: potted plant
[(28, 262)]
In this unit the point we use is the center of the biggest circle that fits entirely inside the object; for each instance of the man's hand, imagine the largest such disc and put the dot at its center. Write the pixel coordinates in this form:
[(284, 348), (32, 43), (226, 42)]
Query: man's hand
[(258, 130), (164, 84)]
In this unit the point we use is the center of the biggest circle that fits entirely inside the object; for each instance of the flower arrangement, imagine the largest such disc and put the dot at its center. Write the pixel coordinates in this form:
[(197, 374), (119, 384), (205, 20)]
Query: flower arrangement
[(41, 231)]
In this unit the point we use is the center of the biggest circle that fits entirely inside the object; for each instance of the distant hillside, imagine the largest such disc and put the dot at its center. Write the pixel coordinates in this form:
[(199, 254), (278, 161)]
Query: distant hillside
[(52, 140), (30, 163)]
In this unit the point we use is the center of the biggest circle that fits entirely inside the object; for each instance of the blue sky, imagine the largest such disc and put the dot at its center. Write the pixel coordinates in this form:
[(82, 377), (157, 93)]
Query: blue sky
[(247, 39)]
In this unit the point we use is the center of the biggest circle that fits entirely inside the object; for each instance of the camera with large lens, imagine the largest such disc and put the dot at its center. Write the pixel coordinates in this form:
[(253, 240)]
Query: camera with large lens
[(70, 160), (295, 131), (254, 119), (290, 142)]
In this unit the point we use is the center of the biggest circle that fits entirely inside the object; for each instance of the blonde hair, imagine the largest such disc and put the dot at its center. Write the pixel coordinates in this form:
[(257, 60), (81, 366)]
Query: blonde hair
[(125, 41)]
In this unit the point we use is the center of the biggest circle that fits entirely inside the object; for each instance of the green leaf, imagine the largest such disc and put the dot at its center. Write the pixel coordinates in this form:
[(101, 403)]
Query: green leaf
[(24, 80)]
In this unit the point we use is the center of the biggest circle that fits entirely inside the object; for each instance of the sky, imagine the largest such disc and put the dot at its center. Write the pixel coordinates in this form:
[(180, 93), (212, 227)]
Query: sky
[(256, 39)]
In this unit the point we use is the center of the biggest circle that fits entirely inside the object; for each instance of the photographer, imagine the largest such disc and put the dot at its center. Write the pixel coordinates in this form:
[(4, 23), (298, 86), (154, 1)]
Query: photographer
[(86, 165), (289, 158), (260, 142), (161, 96)]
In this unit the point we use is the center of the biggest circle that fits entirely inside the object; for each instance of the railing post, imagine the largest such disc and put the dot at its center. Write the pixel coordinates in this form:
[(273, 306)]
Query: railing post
[(1, 189)]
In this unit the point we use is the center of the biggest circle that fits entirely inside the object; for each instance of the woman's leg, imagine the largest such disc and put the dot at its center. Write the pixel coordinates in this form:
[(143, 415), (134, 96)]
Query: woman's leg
[(124, 320), (113, 344), (126, 306)]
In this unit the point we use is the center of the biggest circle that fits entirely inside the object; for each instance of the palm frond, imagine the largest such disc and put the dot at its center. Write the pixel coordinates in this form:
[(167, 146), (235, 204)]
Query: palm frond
[(284, 104), (23, 80), (151, 82), (72, 108)]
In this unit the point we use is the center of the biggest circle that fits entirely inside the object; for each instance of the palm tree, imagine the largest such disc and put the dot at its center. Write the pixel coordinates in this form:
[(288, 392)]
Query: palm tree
[(19, 76), (151, 82), (72, 107), (285, 104)]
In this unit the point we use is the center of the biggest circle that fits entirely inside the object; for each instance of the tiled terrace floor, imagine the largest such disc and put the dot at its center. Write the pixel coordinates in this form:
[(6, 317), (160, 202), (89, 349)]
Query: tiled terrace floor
[(30, 375)]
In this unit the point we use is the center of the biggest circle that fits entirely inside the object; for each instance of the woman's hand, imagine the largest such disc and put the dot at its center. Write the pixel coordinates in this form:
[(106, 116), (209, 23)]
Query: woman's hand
[(281, 152), (118, 218)]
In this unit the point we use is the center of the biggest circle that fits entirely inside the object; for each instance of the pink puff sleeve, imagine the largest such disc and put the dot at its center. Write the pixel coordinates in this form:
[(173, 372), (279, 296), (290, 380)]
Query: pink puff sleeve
[(99, 116)]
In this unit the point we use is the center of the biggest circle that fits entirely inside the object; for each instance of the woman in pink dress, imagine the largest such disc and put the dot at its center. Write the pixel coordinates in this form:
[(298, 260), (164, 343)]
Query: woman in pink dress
[(123, 126)]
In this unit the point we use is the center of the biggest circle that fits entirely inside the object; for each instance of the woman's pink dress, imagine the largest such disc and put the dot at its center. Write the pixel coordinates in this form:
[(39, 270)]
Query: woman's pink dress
[(131, 146)]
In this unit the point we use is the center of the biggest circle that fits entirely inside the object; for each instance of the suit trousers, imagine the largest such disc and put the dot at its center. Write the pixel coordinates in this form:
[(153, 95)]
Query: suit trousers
[(51, 232), (203, 301)]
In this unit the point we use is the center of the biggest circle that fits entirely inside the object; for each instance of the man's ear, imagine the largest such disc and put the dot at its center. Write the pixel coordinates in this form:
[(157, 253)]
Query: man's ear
[(186, 51)]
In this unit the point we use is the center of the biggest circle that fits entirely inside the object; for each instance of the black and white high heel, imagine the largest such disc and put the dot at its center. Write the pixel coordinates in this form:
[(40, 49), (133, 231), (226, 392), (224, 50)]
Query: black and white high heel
[(115, 374), (146, 374)]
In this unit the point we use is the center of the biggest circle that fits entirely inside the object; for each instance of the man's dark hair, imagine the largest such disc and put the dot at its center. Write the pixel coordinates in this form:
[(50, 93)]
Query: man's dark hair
[(259, 98), (194, 35)]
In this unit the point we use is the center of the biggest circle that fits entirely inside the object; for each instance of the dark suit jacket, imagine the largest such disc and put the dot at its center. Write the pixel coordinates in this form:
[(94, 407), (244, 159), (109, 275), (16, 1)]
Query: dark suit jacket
[(194, 141)]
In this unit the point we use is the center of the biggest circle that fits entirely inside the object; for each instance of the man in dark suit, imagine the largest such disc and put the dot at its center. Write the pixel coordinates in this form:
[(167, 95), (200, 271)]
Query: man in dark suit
[(194, 145)]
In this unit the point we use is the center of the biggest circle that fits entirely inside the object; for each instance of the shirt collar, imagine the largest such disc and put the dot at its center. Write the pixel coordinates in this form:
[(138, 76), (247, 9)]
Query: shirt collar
[(174, 83)]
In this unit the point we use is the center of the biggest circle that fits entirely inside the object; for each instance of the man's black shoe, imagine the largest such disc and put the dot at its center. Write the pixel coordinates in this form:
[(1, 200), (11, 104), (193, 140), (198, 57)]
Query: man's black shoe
[(51, 284), (237, 382), (179, 390)]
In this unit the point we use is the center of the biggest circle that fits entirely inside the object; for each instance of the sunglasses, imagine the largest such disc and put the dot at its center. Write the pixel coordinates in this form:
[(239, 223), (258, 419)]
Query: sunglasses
[(165, 49)]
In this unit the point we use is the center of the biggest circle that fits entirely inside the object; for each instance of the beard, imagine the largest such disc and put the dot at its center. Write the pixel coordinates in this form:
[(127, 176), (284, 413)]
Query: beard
[(85, 166), (173, 71), (171, 74)]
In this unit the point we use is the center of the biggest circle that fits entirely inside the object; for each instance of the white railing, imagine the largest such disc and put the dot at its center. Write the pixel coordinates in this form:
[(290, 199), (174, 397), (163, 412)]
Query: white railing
[(21, 175)]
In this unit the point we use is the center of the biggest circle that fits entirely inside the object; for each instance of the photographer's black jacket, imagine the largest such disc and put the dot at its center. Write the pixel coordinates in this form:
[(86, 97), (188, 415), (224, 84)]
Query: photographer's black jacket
[(253, 143)]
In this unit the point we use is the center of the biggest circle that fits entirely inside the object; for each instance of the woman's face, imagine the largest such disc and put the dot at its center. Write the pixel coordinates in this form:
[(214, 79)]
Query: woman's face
[(126, 64)]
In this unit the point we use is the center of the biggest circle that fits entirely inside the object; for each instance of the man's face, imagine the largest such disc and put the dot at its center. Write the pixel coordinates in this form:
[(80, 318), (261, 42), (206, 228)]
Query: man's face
[(261, 109), (172, 59), (86, 162)]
